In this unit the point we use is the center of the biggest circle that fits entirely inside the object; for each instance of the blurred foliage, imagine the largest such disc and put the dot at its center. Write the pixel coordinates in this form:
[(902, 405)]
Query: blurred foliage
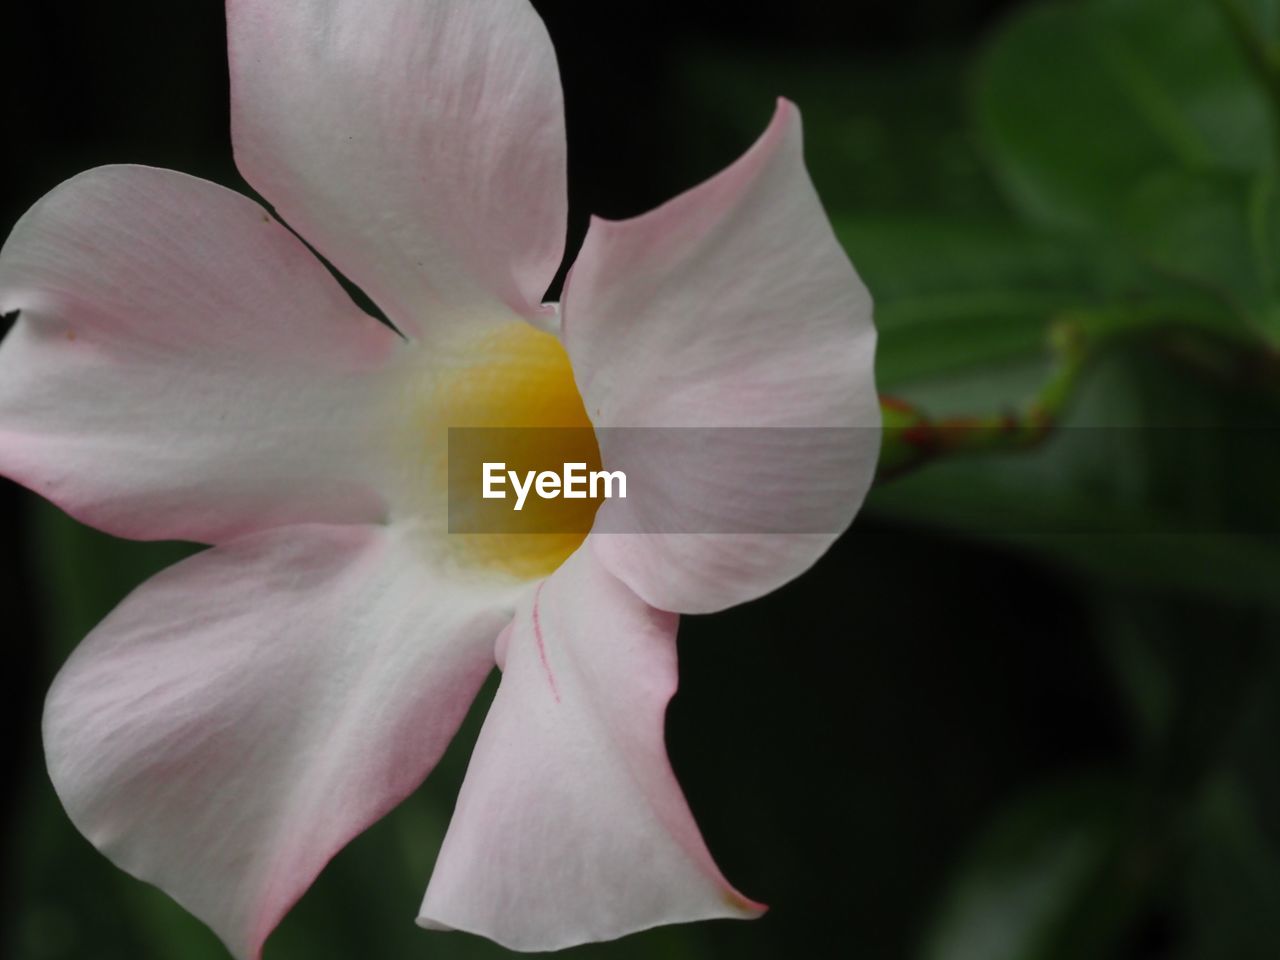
[(1080, 231), (1037, 717)]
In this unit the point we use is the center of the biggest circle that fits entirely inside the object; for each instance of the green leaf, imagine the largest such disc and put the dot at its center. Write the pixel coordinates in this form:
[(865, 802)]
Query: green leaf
[(952, 296), (1233, 879), (1078, 104), (880, 135), (1056, 876), (1219, 232), (965, 308)]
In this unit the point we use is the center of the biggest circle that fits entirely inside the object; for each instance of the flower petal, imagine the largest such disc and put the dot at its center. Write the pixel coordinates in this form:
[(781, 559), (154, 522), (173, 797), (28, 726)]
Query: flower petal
[(183, 367), (731, 306), (570, 826), (244, 714), (419, 146)]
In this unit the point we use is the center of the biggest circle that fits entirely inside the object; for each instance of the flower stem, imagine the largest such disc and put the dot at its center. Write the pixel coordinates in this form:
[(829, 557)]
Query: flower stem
[(912, 438)]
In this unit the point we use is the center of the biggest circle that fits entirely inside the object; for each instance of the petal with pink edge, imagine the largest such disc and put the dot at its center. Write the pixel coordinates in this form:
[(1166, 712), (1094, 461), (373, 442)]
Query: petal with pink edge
[(182, 366), (731, 306), (418, 146), (570, 826), (244, 714)]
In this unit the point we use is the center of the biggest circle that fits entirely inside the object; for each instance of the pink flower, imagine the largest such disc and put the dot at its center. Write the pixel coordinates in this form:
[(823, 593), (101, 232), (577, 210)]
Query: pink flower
[(184, 368)]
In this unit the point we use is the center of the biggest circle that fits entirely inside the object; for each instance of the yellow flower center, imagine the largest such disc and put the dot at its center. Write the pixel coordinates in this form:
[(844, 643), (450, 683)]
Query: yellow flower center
[(508, 396)]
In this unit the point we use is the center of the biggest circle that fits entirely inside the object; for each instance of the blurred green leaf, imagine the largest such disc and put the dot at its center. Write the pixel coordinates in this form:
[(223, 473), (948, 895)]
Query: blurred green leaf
[(966, 296), (966, 309), (1079, 103), (1057, 876), (881, 135), (1233, 890), (953, 295), (1219, 232), (1140, 123), (1231, 887)]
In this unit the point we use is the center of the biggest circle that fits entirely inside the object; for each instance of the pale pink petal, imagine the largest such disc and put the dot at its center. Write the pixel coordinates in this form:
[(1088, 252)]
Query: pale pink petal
[(731, 306), (183, 367), (419, 146), (244, 714), (570, 826)]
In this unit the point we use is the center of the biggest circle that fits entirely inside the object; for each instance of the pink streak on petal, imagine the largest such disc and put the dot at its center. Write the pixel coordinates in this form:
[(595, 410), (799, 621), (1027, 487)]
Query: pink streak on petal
[(542, 647)]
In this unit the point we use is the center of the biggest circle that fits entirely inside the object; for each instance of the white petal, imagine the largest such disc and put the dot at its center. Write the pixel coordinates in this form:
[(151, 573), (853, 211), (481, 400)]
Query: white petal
[(731, 306), (419, 146), (244, 714), (570, 826), (183, 367)]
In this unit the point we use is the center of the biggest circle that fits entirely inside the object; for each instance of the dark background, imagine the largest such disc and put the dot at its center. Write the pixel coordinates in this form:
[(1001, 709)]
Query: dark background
[(939, 743)]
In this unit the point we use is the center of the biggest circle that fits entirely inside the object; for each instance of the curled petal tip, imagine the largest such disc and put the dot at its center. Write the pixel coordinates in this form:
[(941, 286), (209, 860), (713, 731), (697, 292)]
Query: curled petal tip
[(748, 908)]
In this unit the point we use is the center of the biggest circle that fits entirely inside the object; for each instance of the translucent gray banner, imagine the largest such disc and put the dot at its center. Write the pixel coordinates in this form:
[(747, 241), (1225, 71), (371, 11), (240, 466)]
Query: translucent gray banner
[(657, 480), (810, 480)]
